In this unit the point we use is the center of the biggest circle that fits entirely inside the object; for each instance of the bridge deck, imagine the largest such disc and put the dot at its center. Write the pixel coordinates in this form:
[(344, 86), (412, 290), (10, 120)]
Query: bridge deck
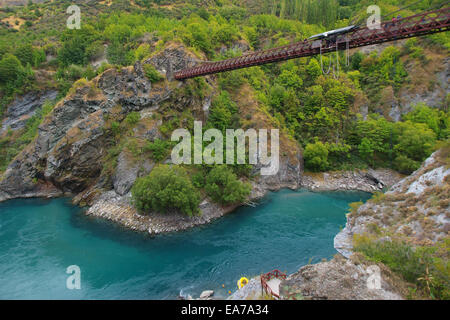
[(417, 25)]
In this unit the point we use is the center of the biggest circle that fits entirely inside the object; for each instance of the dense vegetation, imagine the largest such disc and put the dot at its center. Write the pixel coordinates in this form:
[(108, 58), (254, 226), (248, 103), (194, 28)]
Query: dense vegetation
[(166, 188), (322, 112), (425, 267)]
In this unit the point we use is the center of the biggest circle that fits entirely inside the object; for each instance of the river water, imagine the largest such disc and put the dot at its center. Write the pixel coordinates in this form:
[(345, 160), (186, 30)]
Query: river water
[(39, 239)]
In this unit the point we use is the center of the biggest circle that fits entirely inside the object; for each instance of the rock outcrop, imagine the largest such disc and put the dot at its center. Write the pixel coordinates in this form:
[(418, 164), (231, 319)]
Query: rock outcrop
[(71, 143), (74, 143), (416, 208), (361, 180), (24, 107), (342, 279)]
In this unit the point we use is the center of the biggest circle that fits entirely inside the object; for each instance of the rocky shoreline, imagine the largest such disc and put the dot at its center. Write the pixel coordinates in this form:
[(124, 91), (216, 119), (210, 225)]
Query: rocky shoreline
[(118, 209), (74, 141), (371, 180), (345, 276)]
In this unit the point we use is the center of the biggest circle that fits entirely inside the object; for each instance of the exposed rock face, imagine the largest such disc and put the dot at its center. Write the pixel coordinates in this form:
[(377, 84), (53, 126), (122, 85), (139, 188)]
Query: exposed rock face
[(429, 82), (342, 279), (252, 290), (23, 108), (173, 59), (416, 208), (237, 46), (73, 142), (126, 174), (361, 180), (433, 96), (288, 176)]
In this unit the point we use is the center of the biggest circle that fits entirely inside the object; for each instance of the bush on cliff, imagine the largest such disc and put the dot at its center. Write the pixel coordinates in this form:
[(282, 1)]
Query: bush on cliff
[(10, 68), (152, 74), (166, 188), (426, 267), (316, 156)]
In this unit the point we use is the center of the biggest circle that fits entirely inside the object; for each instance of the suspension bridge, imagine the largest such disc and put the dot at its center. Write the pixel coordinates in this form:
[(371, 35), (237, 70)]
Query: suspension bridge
[(424, 23)]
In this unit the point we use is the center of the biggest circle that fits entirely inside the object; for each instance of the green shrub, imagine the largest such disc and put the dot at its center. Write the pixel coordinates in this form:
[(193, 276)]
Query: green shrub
[(198, 180), (223, 112), (166, 188), (115, 128), (158, 148), (25, 53), (132, 118), (316, 156), (10, 68), (223, 186), (405, 165), (426, 267), (151, 73)]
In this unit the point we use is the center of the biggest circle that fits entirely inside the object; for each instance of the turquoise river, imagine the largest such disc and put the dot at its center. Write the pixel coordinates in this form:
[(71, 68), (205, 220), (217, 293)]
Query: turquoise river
[(39, 239)]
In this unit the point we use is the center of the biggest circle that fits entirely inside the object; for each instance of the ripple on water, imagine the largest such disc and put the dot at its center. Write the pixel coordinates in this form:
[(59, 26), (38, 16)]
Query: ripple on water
[(39, 239)]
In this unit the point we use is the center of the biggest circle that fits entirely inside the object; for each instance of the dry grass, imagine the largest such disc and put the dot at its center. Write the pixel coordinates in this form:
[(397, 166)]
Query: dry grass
[(14, 22)]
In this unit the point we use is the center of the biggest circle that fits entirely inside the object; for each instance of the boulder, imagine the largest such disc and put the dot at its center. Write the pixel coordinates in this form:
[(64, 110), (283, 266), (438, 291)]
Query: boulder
[(206, 294)]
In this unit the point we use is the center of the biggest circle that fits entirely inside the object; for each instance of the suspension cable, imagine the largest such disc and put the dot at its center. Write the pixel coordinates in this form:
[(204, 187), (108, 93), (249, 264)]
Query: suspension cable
[(321, 62)]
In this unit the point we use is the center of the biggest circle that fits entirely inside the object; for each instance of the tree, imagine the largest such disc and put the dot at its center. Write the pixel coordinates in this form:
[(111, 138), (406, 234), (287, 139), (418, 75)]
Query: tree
[(289, 79), (223, 186), (152, 74), (10, 68), (313, 69), (366, 150), (75, 44), (424, 114), (222, 111), (24, 53), (118, 54), (416, 141), (316, 156), (166, 188), (196, 35)]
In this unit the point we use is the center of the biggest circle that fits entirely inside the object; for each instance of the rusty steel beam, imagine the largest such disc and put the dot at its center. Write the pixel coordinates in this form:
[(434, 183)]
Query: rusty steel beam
[(417, 25)]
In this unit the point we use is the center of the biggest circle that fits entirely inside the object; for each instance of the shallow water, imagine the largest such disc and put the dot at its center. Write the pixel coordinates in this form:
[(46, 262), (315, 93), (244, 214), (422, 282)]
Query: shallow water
[(39, 239)]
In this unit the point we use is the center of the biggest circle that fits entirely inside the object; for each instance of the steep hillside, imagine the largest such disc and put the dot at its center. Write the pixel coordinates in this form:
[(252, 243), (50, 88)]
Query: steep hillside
[(394, 247), (78, 151)]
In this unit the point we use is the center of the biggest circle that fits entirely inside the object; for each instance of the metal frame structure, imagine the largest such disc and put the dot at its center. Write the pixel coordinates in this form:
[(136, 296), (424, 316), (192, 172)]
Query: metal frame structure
[(417, 25), (267, 277)]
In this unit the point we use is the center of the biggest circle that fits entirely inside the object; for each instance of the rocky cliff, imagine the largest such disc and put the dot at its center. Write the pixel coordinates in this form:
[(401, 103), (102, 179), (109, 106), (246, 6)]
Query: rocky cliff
[(372, 180), (72, 153), (415, 209)]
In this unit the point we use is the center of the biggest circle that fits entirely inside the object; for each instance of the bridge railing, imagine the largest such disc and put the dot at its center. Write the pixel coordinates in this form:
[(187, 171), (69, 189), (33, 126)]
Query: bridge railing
[(416, 25), (265, 278)]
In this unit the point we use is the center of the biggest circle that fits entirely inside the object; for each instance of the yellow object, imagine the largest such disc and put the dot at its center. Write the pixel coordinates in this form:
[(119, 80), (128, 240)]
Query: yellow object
[(242, 282)]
